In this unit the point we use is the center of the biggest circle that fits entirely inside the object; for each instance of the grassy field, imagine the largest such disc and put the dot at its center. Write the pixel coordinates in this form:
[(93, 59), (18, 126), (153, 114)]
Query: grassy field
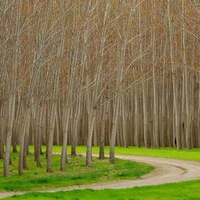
[(77, 173), (185, 190), (176, 191), (169, 152)]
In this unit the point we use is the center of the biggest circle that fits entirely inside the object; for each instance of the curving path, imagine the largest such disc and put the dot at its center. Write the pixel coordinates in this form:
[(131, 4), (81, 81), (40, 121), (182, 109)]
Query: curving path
[(166, 171)]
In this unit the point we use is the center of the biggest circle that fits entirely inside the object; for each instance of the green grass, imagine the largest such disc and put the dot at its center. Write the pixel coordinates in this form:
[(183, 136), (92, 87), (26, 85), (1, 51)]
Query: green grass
[(36, 179), (176, 191), (169, 152)]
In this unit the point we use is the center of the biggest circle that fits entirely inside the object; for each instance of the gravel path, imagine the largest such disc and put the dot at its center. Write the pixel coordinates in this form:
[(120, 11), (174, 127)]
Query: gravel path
[(166, 171)]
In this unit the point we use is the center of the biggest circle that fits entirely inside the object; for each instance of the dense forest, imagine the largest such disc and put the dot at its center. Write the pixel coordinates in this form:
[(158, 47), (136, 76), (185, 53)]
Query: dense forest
[(98, 72)]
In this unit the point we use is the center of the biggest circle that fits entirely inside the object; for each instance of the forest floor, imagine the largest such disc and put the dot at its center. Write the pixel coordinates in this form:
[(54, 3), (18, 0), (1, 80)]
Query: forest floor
[(166, 171)]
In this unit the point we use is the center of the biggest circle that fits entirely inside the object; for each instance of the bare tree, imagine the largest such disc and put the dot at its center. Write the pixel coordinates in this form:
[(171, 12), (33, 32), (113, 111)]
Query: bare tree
[(95, 94), (12, 97)]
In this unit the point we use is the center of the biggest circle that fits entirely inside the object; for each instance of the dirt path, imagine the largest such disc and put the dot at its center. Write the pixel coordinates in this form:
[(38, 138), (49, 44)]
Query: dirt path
[(166, 171)]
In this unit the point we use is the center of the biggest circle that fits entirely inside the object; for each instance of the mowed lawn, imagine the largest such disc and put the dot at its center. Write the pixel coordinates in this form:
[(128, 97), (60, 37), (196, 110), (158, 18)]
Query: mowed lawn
[(176, 191), (37, 179), (185, 190)]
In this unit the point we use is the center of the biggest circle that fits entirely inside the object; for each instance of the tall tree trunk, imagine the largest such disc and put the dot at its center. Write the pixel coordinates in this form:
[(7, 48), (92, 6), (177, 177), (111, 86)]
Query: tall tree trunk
[(164, 116), (144, 85), (92, 114), (185, 82), (120, 76), (114, 131), (137, 119), (102, 133), (124, 120), (13, 93), (155, 88), (22, 142), (175, 95), (38, 134), (69, 97), (50, 137), (76, 121), (79, 98), (2, 130), (92, 117)]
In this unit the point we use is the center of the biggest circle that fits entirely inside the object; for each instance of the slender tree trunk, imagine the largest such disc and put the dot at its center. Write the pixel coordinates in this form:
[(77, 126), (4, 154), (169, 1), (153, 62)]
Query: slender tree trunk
[(164, 117), (9, 137), (50, 137), (185, 82), (137, 119), (22, 142), (155, 88), (102, 133), (175, 95), (144, 85), (79, 98), (198, 115), (39, 133), (92, 117), (2, 130), (76, 121), (69, 99), (122, 56), (63, 160), (95, 97), (124, 120), (13, 95), (53, 116), (26, 143), (114, 131)]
